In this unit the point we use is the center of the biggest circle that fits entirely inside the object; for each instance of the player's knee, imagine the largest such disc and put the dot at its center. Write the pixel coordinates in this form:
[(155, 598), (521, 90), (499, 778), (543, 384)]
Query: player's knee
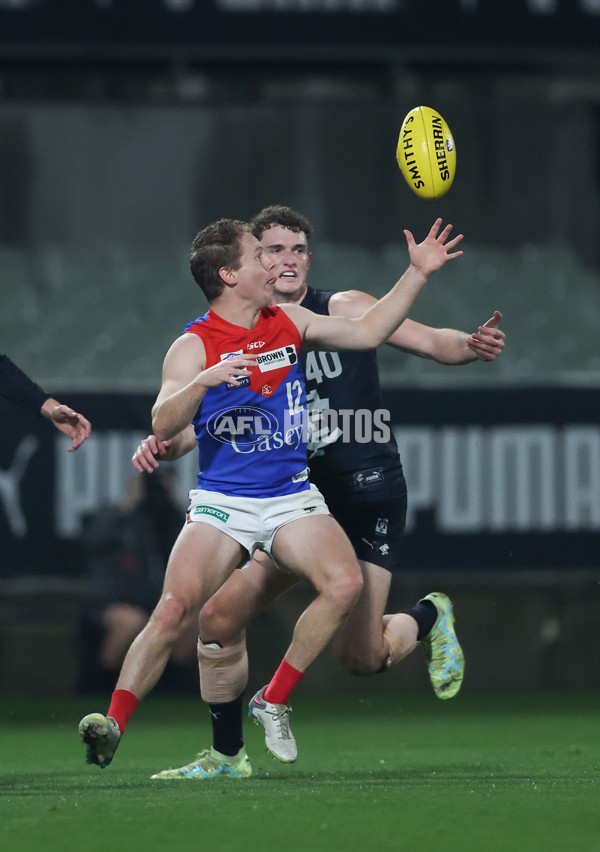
[(346, 586), (215, 624), (173, 615), (209, 621)]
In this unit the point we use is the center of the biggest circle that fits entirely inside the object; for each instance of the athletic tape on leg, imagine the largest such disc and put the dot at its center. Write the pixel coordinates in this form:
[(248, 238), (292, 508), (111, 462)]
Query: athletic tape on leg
[(223, 672)]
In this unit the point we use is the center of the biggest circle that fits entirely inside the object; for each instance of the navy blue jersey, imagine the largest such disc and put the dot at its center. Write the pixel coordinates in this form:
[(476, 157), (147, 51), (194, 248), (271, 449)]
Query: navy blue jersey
[(340, 458)]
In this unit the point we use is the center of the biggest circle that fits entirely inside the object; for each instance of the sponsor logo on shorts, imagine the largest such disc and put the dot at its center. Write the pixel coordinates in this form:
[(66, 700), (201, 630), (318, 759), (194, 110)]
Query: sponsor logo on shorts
[(214, 513), (285, 356), (384, 549), (364, 478), (381, 527)]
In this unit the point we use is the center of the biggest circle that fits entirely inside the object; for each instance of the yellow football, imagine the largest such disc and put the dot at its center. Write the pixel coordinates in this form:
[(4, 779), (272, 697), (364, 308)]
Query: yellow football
[(426, 153)]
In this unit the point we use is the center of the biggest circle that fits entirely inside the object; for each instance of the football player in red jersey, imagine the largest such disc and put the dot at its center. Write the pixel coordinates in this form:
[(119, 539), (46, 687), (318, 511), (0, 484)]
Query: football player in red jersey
[(364, 487), (253, 492)]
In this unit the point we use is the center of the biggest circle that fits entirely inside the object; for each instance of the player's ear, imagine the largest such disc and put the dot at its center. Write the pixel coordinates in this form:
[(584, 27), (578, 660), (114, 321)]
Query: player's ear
[(228, 275)]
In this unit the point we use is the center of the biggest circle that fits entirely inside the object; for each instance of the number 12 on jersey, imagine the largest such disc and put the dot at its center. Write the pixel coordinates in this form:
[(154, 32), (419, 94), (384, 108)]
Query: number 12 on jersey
[(294, 396)]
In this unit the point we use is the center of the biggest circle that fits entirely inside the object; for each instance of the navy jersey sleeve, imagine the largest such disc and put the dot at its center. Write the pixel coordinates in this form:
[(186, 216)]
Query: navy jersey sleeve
[(16, 386)]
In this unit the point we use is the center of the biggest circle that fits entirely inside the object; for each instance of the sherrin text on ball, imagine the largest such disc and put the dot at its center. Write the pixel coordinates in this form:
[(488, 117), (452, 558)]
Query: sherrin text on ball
[(426, 153)]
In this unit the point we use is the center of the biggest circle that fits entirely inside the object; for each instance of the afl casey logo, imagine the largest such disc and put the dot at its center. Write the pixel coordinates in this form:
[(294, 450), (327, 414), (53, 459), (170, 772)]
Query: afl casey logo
[(242, 426)]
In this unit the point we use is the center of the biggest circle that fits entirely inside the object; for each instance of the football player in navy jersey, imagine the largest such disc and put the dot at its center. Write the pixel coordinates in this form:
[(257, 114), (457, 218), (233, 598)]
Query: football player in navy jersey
[(234, 375), (17, 387), (364, 487)]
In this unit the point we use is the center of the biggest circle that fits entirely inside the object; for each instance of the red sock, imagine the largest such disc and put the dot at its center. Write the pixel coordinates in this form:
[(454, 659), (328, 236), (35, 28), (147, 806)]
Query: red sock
[(122, 707), (282, 684)]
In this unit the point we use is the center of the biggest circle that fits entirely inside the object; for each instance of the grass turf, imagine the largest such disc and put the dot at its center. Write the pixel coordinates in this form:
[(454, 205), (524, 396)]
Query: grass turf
[(502, 773)]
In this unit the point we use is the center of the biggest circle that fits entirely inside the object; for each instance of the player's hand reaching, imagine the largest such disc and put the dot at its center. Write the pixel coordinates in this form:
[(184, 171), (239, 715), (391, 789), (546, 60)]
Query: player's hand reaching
[(149, 451), (231, 370), (488, 341), (74, 425), (435, 249)]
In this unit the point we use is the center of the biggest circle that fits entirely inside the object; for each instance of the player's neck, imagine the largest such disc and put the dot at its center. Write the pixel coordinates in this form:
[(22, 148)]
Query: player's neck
[(243, 315)]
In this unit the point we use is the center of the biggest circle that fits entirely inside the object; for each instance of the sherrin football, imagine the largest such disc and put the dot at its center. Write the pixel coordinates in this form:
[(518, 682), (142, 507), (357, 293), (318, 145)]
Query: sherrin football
[(426, 153)]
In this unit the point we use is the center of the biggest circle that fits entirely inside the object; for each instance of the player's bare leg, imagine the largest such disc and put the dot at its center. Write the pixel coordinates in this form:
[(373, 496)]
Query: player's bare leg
[(201, 560), (363, 646), (372, 641), (318, 550), (247, 592)]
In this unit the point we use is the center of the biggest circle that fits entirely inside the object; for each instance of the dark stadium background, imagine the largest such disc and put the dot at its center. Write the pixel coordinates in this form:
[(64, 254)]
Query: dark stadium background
[(125, 127)]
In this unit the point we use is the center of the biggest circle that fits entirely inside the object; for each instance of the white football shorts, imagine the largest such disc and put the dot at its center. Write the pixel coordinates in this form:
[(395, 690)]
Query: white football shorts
[(253, 521)]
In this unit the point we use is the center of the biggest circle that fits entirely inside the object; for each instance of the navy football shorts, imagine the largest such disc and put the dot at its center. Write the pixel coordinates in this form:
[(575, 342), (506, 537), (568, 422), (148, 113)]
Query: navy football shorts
[(375, 528)]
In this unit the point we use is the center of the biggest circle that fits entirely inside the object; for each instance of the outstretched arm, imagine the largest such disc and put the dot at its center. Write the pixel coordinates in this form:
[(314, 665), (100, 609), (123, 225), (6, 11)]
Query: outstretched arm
[(444, 345), (449, 346), (384, 316)]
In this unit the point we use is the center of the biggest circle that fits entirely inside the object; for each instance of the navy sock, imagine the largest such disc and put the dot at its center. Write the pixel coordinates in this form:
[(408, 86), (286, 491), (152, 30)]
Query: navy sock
[(227, 722), (425, 614)]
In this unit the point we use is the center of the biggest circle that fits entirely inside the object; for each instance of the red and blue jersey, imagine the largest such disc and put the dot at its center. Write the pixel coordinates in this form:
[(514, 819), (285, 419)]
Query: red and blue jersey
[(252, 439)]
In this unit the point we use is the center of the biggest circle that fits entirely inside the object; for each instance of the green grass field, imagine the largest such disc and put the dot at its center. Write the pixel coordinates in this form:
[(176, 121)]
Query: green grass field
[(477, 774)]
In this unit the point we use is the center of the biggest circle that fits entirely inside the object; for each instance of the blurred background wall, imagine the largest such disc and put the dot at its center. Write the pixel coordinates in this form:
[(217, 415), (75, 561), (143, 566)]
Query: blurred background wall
[(125, 127)]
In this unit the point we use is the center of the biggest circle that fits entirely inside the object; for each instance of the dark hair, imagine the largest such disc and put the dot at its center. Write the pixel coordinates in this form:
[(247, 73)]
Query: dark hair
[(216, 246), (277, 214)]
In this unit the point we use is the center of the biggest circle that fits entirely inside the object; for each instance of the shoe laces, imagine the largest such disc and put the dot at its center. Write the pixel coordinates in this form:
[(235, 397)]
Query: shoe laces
[(283, 722)]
